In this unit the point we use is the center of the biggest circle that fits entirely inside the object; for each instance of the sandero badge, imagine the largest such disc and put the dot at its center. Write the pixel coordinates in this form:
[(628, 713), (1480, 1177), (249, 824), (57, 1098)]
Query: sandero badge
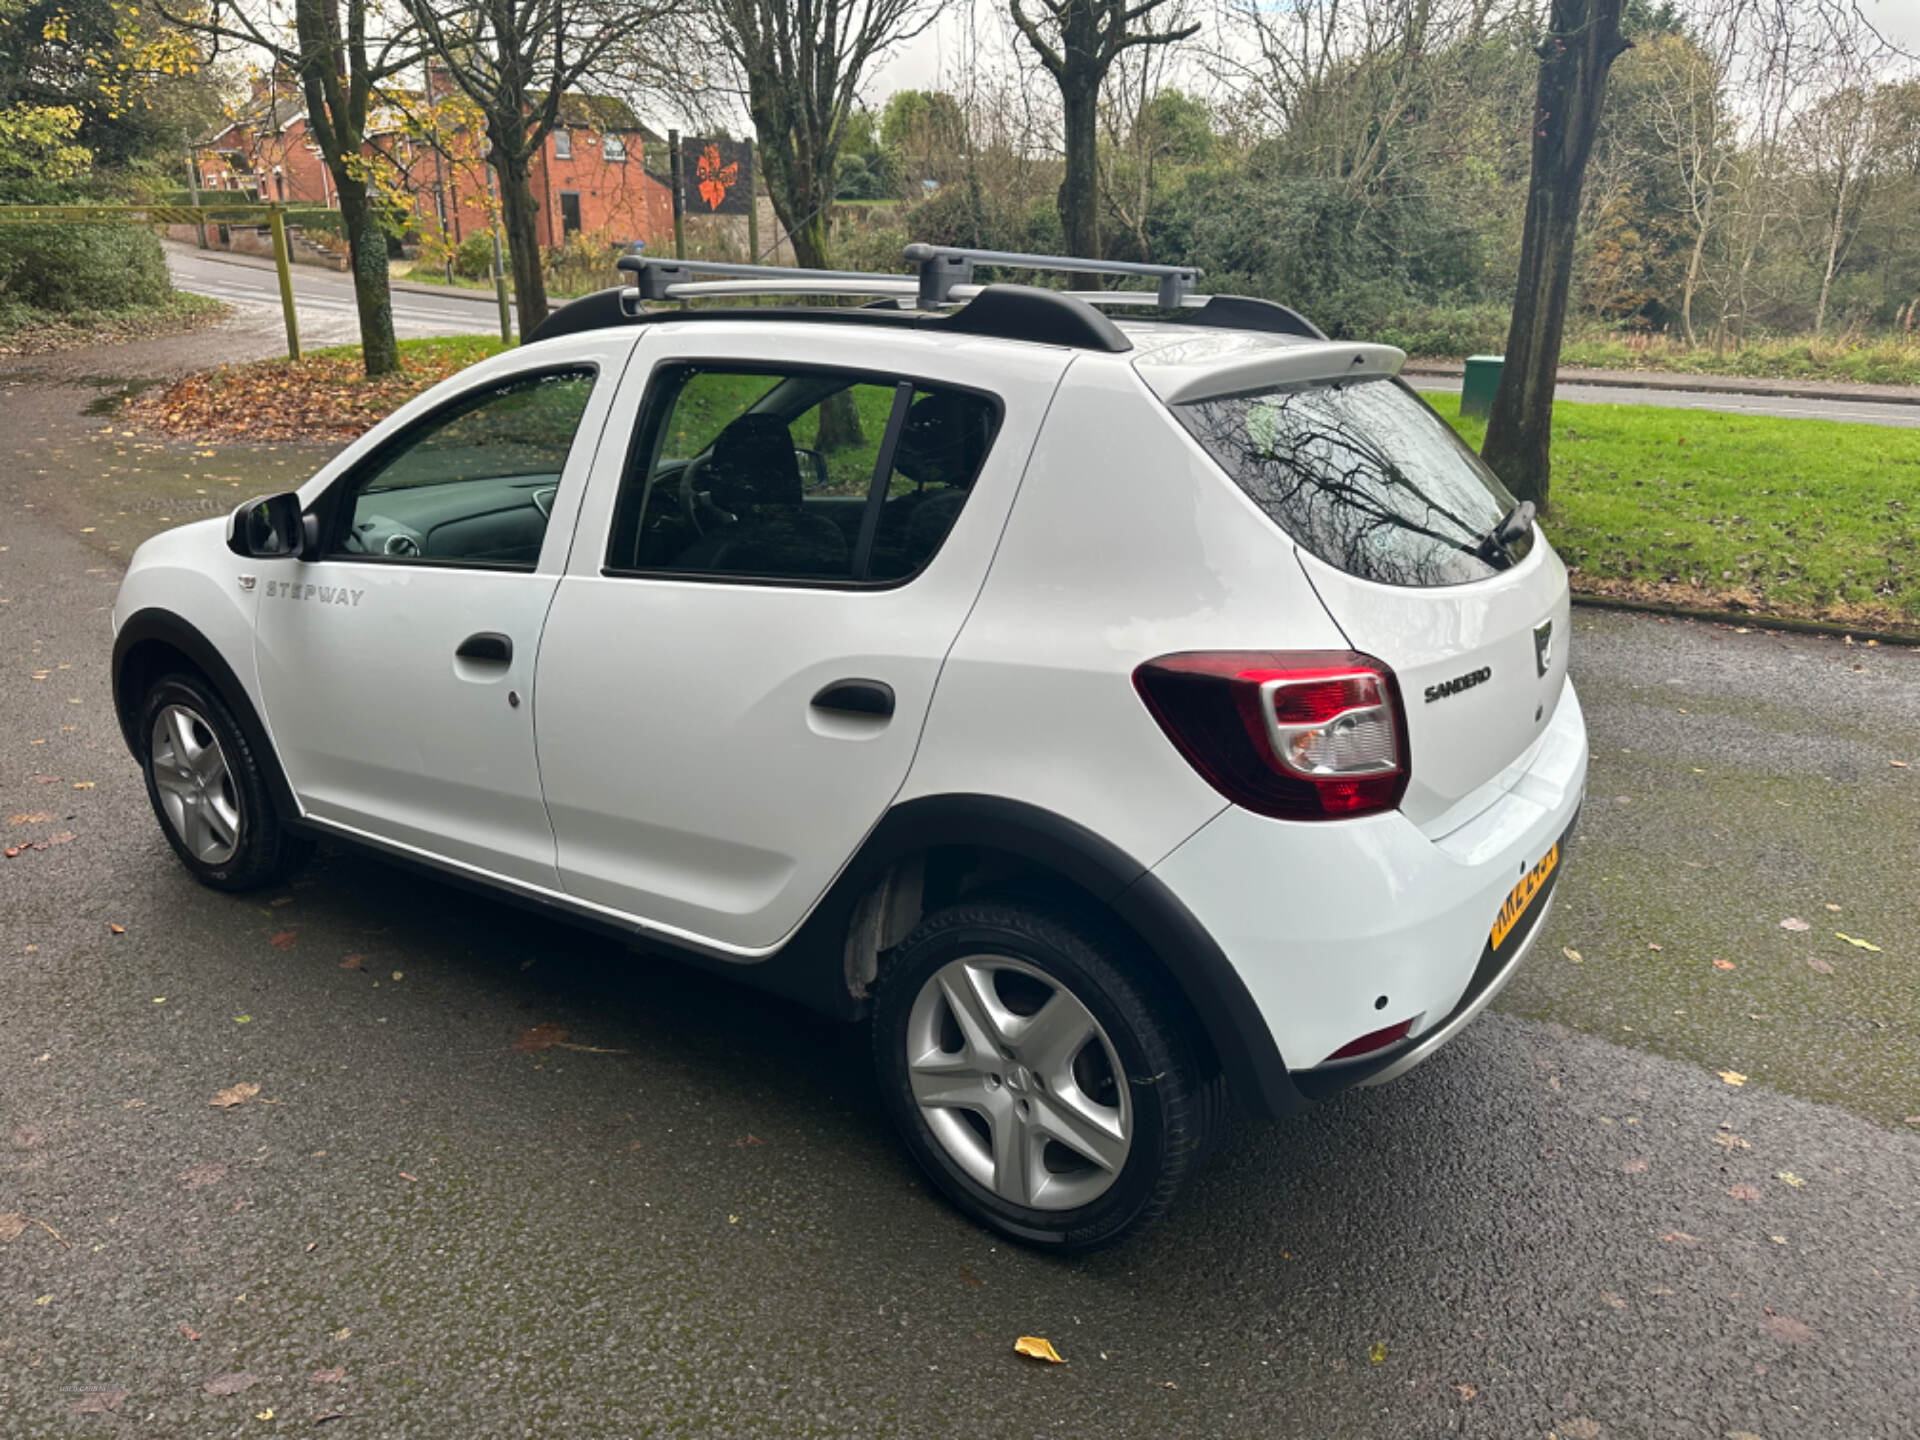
[(1459, 683)]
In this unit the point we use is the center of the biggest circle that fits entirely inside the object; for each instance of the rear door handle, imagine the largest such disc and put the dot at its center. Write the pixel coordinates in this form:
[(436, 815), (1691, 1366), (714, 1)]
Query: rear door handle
[(489, 647), (857, 697)]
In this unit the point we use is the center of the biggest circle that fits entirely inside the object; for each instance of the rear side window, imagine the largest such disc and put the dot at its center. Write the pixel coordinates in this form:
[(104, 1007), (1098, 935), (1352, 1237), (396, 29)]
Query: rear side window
[(796, 475), (1365, 476)]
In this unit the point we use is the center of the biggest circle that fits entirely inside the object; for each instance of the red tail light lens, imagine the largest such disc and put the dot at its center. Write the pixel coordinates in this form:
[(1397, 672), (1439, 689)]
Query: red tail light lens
[(1299, 735)]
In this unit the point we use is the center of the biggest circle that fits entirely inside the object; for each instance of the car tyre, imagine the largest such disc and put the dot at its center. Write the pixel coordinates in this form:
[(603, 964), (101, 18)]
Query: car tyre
[(208, 789), (982, 1088)]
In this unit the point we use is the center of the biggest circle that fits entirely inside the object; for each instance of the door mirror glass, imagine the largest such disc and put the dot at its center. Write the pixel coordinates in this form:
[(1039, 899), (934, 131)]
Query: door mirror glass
[(813, 467), (268, 527)]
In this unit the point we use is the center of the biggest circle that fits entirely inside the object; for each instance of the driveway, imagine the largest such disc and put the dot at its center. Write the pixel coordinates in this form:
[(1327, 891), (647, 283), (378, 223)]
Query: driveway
[(501, 1178)]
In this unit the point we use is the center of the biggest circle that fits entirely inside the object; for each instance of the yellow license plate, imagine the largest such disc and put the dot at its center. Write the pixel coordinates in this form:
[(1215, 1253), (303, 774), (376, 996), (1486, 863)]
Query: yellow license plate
[(1524, 894)]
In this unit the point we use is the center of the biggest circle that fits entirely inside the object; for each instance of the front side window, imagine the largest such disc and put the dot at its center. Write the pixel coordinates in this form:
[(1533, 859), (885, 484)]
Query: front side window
[(797, 475), (1365, 476), (472, 484)]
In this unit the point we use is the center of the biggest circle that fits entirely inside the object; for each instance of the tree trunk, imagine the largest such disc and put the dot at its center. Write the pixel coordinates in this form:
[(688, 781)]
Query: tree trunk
[(1080, 189), (372, 297), (1583, 40), (1693, 271), (1833, 257), (519, 214)]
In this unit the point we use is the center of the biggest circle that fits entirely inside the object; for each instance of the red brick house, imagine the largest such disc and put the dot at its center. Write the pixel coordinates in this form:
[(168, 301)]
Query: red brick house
[(592, 176)]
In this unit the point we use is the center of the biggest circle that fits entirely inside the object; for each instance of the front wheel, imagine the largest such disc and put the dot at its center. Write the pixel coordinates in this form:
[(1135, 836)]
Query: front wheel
[(207, 788), (1037, 1074)]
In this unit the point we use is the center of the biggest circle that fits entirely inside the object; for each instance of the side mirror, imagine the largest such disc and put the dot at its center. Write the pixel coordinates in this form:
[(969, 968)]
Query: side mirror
[(268, 527), (813, 467)]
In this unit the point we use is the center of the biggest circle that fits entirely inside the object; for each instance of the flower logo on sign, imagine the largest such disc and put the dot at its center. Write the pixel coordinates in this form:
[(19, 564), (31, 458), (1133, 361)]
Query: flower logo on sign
[(715, 179)]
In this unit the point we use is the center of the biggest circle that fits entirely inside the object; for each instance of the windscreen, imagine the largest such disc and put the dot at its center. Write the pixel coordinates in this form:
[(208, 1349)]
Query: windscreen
[(1365, 476)]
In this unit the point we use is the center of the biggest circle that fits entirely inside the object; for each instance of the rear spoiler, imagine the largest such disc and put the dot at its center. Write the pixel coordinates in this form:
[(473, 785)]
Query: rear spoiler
[(1189, 373)]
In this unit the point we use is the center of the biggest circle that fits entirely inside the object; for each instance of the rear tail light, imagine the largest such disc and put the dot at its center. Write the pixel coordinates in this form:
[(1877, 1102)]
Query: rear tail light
[(1299, 735)]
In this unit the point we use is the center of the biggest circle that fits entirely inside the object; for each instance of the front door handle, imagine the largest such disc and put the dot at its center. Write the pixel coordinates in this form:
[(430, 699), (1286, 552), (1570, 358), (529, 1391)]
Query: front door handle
[(873, 698), (489, 647)]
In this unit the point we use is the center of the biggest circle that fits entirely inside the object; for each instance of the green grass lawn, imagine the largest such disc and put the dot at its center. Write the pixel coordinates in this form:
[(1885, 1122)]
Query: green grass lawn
[(1812, 518)]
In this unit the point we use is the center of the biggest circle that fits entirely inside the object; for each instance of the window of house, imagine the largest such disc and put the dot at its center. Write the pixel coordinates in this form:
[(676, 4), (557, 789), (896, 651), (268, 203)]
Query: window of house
[(562, 144), (614, 148), (797, 475), (473, 483)]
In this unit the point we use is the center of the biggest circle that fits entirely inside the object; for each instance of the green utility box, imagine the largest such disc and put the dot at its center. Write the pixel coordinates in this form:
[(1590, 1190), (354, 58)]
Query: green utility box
[(1483, 378)]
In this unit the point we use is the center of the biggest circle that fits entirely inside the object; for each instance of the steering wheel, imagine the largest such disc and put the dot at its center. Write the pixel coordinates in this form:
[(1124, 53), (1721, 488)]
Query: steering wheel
[(691, 503)]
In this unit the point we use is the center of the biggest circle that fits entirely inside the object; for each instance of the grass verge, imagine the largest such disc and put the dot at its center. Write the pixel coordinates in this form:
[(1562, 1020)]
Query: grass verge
[(325, 396), (1887, 361), (1806, 518), (27, 331)]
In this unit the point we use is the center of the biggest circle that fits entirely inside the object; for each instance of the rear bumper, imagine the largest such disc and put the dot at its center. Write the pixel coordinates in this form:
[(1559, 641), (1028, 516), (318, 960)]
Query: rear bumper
[(1339, 929)]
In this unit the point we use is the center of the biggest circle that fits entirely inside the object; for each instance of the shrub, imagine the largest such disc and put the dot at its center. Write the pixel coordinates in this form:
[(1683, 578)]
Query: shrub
[(68, 269), (473, 257)]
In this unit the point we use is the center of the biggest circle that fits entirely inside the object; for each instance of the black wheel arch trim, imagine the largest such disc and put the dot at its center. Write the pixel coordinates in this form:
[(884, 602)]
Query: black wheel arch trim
[(1206, 979), (166, 628)]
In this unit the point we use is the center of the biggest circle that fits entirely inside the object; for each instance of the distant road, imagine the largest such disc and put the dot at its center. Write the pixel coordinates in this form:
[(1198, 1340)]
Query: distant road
[(324, 302), (323, 299), (1788, 407)]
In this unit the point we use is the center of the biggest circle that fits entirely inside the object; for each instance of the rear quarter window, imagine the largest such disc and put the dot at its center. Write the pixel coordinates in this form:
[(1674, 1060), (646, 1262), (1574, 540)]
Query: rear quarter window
[(1363, 475)]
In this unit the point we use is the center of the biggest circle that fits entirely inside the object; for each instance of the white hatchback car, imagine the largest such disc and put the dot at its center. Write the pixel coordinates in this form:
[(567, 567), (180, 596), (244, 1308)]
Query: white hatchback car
[(1119, 714)]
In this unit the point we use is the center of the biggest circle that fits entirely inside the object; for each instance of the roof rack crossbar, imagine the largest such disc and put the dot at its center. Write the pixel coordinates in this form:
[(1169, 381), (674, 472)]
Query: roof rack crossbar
[(944, 266), (654, 274)]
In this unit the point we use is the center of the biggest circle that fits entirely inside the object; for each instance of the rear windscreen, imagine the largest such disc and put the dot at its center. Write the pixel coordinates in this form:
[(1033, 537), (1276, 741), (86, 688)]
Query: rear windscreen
[(1365, 476)]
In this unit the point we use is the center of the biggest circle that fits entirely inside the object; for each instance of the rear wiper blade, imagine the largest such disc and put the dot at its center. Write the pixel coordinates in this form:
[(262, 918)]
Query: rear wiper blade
[(1497, 544)]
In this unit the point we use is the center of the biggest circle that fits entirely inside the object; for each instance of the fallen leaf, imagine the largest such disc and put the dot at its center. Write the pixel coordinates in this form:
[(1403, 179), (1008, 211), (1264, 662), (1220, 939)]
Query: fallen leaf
[(283, 941), (34, 817), (1038, 1349), (116, 929), (332, 1375), (414, 1178), (1784, 1328), (1580, 1428), (1723, 964), (399, 974), (235, 1095), (189, 1332), (1898, 764), (1857, 944), (1570, 953), (1636, 1166), (1732, 1142), (99, 1402), (1613, 1301), (1787, 1177), (312, 1245), (352, 962), (1834, 908), (197, 1177), (344, 1332), (44, 1300), (1795, 924), (1743, 1192), (540, 1037), (230, 1384), (12, 1226), (1377, 1352), (243, 1019), (1732, 1077), (82, 784), (1819, 966), (1679, 1237), (266, 1414), (1465, 1392), (1652, 946)]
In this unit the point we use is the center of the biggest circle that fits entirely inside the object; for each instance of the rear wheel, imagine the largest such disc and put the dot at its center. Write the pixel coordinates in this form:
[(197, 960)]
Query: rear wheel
[(1031, 1073), (208, 790)]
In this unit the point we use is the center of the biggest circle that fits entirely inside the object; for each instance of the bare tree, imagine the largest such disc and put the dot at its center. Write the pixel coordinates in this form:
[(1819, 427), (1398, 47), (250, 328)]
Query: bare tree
[(800, 63), (342, 64), (1581, 42), (1078, 42), (517, 60), (1694, 125), (1836, 144)]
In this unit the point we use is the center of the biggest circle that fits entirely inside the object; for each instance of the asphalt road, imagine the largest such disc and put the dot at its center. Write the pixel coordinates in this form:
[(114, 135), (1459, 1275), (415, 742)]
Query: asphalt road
[(323, 299), (693, 1219)]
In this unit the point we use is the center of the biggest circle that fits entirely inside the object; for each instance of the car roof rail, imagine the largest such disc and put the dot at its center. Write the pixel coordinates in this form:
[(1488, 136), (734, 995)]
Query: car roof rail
[(943, 267), (660, 278)]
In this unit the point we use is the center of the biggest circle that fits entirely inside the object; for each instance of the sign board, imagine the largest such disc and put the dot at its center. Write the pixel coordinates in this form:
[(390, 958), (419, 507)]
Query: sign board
[(717, 177)]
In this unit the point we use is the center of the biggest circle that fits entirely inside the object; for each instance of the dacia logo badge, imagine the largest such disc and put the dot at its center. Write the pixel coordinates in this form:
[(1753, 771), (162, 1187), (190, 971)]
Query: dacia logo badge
[(1543, 646)]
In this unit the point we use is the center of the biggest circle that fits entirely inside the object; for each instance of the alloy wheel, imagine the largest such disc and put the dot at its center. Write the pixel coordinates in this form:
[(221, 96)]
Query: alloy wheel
[(197, 793), (1018, 1082)]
